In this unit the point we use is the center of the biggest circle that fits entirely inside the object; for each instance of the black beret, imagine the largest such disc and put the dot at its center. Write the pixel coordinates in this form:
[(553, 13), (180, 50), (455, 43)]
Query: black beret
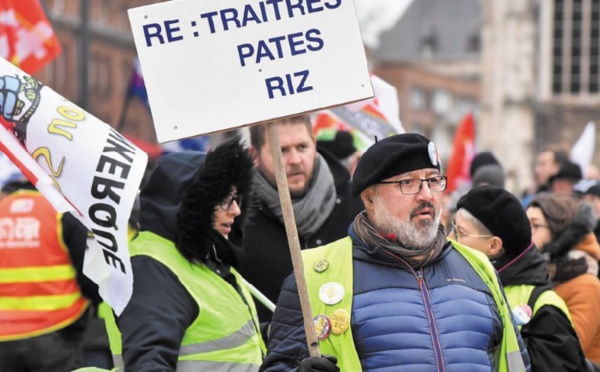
[(501, 212), (392, 156)]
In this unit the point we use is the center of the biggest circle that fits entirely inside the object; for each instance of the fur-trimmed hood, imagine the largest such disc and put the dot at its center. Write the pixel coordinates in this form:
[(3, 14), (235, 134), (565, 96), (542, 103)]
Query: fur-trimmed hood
[(180, 197)]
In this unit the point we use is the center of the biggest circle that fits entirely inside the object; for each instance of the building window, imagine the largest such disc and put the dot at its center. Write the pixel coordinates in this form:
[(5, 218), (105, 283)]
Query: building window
[(417, 98), (576, 43), (464, 106), (441, 102), (100, 74), (57, 73), (594, 46)]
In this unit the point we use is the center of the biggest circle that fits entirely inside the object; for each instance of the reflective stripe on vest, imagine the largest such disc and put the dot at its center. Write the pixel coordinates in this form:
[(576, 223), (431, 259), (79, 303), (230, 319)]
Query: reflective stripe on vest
[(39, 293), (339, 256), (520, 294), (197, 365), (224, 336)]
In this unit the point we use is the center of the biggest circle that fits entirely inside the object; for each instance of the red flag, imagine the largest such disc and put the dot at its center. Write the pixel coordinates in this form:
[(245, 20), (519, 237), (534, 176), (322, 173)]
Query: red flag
[(26, 36), (463, 151)]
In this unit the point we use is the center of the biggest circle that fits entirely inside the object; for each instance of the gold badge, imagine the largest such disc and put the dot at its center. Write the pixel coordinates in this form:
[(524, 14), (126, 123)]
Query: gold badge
[(321, 265), (340, 321)]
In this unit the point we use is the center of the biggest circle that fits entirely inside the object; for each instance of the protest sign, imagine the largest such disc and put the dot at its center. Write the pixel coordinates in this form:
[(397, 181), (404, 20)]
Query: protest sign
[(213, 65), (81, 165)]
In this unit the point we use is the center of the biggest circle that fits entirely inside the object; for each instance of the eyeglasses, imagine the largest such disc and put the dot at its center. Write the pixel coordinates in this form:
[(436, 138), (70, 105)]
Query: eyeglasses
[(536, 226), (458, 236), (413, 186), (226, 203)]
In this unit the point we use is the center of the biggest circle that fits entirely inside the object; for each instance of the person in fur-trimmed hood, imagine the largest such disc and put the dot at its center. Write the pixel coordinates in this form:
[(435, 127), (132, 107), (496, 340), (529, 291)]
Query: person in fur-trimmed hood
[(562, 229), (190, 309)]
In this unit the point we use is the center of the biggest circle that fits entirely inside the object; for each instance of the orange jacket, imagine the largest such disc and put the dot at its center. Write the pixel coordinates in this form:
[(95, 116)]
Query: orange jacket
[(38, 289), (582, 295)]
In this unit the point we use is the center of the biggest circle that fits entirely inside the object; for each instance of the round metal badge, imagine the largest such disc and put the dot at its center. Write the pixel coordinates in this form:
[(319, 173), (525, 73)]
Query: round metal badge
[(321, 265), (322, 326), (433, 154), (331, 293), (340, 320)]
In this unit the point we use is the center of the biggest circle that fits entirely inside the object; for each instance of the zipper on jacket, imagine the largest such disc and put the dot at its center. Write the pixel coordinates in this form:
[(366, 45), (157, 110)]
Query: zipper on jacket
[(435, 337)]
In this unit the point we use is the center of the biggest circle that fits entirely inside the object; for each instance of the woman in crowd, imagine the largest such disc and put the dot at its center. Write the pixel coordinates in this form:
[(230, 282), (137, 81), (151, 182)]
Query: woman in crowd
[(562, 229)]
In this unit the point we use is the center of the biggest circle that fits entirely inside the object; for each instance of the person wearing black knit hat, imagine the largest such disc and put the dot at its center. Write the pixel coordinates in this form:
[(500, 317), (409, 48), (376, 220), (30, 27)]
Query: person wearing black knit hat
[(569, 174), (394, 275), (492, 221), (187, 291), (341, 145), (482, 159)]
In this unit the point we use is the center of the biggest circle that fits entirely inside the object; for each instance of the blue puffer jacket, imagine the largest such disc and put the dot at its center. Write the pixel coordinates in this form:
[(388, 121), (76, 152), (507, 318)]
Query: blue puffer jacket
[(451, 324)]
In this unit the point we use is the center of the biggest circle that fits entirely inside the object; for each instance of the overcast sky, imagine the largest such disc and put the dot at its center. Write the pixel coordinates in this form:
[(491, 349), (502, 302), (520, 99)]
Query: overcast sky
[(377, 16)]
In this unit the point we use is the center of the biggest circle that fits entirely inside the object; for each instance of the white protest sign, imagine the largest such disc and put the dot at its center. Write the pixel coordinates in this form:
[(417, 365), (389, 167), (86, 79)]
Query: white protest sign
[(80, 164), (212, 65)]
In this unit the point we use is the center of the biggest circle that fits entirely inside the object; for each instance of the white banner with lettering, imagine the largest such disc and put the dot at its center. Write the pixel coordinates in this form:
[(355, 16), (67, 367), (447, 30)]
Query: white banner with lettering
[(213, 65), (81, 165)]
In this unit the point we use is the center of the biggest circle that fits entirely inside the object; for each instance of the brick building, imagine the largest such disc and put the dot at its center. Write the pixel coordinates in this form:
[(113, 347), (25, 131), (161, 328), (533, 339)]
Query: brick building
[(109, 61), (432, 57)]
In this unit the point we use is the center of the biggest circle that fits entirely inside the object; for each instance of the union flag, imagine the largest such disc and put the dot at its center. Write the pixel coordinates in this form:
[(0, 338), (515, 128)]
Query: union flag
[(27, 39)]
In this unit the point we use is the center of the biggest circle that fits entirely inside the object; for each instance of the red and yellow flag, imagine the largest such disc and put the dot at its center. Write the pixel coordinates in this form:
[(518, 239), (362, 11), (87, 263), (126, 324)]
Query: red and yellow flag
[(27, 39)]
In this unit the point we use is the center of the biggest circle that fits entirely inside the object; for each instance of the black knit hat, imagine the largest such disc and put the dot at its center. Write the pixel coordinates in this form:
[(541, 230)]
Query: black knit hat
[(568, 171), (393, 156), (501, 212), (341, 146), (482, 159)]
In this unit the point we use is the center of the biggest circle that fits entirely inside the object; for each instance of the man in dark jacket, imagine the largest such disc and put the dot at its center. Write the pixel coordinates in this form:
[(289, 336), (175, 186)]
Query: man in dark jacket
[(395, 295), (319, 186), (491, 220)]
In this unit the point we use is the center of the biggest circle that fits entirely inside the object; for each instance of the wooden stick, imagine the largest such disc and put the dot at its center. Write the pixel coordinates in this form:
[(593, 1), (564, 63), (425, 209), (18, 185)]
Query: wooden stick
[(292, 235)]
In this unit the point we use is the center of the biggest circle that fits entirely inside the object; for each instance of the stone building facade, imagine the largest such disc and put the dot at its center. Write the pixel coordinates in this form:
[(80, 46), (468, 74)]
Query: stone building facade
[(540, 78)]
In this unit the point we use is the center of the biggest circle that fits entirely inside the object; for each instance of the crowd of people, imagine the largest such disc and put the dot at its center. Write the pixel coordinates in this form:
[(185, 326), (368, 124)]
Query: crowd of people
[(399, 274)]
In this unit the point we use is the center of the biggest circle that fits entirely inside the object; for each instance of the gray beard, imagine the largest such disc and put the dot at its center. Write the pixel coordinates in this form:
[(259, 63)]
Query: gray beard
[(408, 234)]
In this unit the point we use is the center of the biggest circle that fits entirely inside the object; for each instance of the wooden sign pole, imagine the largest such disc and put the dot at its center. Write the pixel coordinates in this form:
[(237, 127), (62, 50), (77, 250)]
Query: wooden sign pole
[(292, 235)]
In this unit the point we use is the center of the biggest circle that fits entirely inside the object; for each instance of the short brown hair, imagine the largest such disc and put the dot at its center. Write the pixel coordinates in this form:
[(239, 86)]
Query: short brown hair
[(559, 153), (258, 132), (559, 211)]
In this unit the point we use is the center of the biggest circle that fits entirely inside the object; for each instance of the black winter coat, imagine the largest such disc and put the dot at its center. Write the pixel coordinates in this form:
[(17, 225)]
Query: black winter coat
[(549, 336), (266, 245)]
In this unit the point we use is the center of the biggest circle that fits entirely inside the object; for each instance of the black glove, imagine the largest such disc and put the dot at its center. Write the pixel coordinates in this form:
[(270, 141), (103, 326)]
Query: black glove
[(325, 363)]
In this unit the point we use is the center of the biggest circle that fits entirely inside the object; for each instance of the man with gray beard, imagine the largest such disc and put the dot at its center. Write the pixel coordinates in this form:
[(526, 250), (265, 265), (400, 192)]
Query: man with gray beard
[(395, 295)]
